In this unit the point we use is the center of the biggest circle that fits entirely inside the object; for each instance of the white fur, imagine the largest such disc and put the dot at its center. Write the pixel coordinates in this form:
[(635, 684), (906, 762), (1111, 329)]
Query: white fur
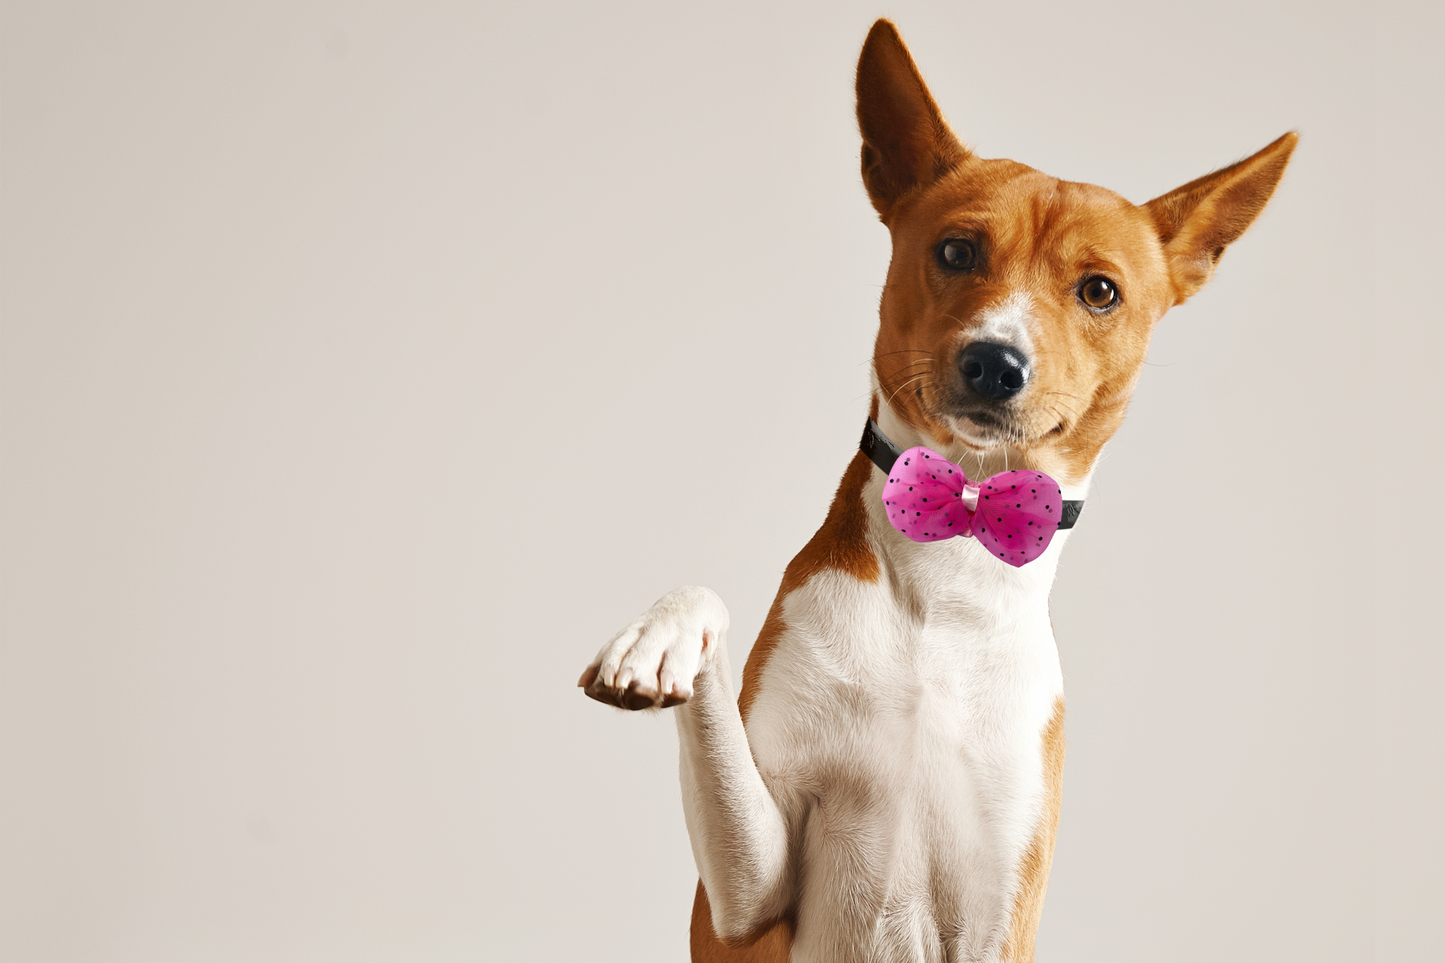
[(890, 777), (1009, 322)]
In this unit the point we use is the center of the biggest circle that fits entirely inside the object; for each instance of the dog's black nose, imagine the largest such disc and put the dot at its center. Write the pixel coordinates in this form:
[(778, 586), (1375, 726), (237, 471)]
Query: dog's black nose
[(995, 371)]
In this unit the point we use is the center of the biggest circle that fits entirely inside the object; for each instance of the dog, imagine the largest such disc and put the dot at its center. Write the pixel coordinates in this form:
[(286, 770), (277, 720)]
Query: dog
[(887, 784)]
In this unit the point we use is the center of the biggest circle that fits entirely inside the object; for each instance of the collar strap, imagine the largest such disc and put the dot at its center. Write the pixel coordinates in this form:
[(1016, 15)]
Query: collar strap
[(881, 450)]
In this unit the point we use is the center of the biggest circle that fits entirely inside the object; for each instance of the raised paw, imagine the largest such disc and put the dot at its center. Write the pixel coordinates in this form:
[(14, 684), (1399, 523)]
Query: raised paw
[(652, 663)]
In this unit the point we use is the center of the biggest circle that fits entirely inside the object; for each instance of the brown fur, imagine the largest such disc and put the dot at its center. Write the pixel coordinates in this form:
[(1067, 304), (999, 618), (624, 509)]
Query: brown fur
[(771, 944), (1034, 872), (1036, 235)]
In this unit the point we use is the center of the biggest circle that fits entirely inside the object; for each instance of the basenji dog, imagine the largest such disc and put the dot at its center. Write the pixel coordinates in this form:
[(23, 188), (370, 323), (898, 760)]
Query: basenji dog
[(886, 786)]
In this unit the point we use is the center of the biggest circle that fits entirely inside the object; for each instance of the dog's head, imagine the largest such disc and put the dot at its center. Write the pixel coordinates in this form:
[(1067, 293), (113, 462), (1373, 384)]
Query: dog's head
[(1018, 307)]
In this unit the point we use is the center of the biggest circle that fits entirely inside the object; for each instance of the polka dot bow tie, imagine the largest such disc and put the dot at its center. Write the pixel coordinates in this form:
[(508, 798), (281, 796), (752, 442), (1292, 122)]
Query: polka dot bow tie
[(1013, 514)]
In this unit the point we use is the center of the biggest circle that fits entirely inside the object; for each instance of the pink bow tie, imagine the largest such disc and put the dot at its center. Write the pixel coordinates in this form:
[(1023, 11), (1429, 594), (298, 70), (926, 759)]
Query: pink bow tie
[(1015, 518)]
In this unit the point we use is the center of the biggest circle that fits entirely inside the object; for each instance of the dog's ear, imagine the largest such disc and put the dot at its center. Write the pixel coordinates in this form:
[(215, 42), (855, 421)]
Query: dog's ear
[(1198, 221), (906, 141)]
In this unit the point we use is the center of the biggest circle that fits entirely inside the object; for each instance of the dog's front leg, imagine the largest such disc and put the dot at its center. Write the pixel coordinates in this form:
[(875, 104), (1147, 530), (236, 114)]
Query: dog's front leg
[(675, 653)]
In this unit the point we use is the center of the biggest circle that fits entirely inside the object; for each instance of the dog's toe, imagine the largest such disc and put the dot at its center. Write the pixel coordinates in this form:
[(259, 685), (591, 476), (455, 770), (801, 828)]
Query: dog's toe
[(598, 690), (638, 698)]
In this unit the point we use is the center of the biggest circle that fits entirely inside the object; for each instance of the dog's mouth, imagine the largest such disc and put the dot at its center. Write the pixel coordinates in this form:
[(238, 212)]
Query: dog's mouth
[(982, 426), (984, 430)]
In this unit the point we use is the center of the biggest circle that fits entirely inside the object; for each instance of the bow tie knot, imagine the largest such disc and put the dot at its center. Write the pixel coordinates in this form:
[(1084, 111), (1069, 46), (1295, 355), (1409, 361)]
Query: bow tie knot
[(1013, 514)]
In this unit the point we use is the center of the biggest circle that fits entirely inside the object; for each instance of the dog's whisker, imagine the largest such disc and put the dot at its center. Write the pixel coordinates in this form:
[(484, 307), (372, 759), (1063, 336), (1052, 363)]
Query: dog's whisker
[(920, 361), (904, 351), (1056, 409), (905, 385), (1065, 394), (902, 372), (884, 382), (905, 369), (1067, 408)]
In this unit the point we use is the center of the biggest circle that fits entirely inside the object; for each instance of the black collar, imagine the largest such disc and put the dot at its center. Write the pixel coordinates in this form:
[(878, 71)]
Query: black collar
[(883, 453)]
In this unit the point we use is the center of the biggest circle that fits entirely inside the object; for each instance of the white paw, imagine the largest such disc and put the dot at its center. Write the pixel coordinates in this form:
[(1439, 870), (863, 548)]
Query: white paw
[(654, 661)]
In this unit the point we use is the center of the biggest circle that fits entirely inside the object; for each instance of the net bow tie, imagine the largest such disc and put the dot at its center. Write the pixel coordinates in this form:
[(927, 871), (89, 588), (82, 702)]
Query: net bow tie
[(1015, 515)]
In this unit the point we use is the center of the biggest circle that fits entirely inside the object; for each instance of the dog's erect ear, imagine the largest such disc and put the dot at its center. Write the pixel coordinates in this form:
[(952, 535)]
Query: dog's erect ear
[(906, 141), (1198, 221)]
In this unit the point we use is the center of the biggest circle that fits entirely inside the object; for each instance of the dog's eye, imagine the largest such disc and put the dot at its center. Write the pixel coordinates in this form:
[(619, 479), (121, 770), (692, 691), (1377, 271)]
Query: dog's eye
[(957, 254), (1098, 293)]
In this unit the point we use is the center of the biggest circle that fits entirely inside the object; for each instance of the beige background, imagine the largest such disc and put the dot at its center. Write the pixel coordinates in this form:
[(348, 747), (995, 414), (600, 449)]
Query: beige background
[(336, 338)]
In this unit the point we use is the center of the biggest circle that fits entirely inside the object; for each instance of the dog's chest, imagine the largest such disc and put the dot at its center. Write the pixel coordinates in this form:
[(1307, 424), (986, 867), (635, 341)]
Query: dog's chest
[(904, 747)]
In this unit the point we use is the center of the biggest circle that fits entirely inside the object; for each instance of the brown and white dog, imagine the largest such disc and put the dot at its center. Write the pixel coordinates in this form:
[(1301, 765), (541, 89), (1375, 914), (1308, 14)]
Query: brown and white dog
[(887, 785)]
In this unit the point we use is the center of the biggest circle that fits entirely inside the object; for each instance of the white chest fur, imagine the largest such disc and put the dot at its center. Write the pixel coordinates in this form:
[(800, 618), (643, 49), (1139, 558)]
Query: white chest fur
[(898, 726)]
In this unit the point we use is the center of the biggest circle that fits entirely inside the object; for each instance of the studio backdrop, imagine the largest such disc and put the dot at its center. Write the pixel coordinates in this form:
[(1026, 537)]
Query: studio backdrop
[(335, 337)]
